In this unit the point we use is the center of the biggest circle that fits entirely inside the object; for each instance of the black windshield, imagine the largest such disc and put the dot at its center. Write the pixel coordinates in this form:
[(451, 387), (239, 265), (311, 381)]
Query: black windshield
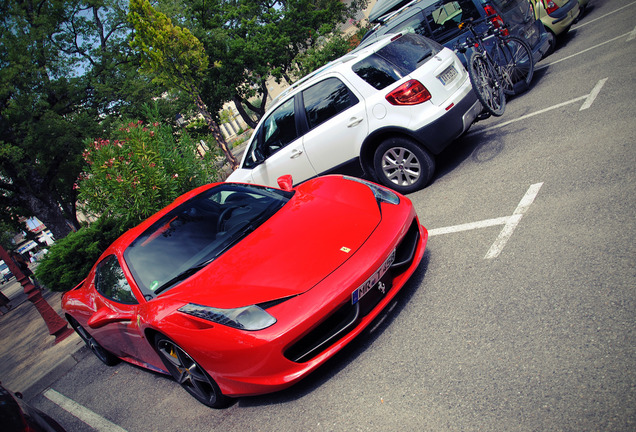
[(198, 231)]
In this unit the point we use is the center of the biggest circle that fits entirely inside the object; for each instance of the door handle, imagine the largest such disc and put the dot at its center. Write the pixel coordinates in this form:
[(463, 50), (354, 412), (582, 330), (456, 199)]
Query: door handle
[(295, 153), (354, 121)]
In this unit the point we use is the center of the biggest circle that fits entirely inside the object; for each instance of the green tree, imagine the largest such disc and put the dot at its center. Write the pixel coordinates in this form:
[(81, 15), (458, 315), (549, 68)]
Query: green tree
[(319, 55), (65, 70), (176, 59), (253, 40)]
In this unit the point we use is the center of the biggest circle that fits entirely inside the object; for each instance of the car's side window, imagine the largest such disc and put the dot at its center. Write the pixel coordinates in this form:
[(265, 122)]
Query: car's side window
[(111, 282), (279, 129), (327, 99)]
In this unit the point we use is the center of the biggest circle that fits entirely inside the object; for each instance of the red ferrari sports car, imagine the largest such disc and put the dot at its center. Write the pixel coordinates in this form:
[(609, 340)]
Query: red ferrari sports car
[(237, 289)]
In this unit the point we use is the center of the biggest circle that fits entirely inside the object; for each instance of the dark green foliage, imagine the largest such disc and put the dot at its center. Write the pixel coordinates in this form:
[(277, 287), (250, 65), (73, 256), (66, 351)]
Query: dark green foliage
[(70, 259)]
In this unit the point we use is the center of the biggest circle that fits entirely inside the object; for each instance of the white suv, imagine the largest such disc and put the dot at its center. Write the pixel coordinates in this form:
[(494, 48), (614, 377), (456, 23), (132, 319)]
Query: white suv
[(385, 110)]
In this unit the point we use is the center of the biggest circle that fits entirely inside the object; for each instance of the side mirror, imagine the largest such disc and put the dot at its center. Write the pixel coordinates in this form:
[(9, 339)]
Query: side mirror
[(106, 316), (257, 156), (285, 182)]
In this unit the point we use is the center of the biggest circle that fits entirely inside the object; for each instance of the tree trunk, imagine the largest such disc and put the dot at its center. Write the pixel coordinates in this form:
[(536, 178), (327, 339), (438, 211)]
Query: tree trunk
[(216, 132), (246, 117)]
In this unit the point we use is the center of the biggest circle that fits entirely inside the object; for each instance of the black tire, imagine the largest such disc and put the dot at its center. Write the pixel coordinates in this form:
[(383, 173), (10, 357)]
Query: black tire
[(486, 84), (403, 165), (516, 65), (189, 374), (105, 356)]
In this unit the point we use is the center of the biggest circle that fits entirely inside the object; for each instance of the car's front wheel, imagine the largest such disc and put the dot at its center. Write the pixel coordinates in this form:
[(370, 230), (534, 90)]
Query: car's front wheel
[(100, 352), (403, 165), (189, 374)]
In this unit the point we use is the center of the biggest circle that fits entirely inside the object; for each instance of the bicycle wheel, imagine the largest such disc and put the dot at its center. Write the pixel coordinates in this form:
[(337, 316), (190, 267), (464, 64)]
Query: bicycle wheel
[(516, 63), (486, 84)]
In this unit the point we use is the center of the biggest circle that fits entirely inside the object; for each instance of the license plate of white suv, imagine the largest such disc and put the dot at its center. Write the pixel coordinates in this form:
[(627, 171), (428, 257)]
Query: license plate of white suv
[(448, 75)]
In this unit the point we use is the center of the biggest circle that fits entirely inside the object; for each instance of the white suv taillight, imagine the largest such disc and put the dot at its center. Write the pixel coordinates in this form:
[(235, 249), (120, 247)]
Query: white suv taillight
[(411, 92)]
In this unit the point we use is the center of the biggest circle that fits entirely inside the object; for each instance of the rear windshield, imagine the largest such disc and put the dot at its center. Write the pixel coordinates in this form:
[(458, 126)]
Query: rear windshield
[(191, 236), (438, 21), (396, 60)]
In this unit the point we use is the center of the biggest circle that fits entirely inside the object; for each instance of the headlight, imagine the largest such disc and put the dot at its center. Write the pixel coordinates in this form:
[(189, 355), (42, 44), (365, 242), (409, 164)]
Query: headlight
[(244, 318), (381, 194)]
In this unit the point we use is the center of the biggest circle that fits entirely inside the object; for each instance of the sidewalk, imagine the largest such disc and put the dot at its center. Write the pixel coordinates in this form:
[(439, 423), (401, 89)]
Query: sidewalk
[(30, 360)]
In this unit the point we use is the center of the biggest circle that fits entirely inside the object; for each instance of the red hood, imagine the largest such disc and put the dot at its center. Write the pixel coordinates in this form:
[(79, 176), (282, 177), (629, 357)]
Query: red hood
[(319, 229)]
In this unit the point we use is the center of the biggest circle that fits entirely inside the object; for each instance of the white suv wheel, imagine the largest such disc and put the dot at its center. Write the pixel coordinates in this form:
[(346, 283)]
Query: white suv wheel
[(403, 165)]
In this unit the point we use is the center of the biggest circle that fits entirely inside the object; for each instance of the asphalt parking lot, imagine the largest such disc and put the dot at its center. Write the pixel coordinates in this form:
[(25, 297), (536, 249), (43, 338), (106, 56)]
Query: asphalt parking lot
[(521, 316)]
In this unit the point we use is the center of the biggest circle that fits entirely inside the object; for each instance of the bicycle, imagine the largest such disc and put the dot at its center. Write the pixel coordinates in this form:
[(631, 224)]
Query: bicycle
[(507, 70)]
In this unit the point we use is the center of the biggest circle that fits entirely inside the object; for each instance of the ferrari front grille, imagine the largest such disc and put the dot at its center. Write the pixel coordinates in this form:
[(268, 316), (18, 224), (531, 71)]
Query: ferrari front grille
[(347, 317)]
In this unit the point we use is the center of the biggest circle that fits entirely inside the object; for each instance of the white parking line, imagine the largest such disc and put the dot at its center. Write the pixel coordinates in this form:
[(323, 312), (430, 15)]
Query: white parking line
[(543, 66), (513, 221), (632, 35), (92, 419), (574, 27), (468, 226), (596, 90), (509, 222)]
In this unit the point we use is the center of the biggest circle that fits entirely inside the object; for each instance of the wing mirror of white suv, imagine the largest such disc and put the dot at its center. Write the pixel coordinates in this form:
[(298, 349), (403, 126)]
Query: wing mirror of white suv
[(257, 156)]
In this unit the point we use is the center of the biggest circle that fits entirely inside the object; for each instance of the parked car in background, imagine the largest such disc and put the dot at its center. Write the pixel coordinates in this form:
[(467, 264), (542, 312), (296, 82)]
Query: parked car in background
[(238, 289), (6, 273), (439, 19), (384, 110), (17, 416), (557, 15)]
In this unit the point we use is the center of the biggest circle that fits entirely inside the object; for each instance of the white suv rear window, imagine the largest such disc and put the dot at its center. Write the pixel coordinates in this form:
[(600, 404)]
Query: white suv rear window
[(396, 60)]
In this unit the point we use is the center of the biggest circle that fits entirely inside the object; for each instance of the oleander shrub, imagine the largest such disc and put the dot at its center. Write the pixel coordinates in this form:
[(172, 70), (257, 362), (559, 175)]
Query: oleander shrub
[(140, 170)]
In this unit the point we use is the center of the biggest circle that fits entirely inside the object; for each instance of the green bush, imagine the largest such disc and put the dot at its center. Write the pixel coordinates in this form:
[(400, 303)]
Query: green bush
[(70, 259), (140, 170)]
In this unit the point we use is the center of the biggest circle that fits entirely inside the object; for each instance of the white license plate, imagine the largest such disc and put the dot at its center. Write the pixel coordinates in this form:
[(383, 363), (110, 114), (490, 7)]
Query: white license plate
[(359, 292), (449, 74)]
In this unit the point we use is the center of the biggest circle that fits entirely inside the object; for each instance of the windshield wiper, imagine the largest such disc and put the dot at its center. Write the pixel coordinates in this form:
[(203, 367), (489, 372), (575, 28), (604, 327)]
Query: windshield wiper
[(184, 275)]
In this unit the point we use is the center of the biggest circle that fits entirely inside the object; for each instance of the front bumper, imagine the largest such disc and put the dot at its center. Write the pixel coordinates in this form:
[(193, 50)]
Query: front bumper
[(261, 362)]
